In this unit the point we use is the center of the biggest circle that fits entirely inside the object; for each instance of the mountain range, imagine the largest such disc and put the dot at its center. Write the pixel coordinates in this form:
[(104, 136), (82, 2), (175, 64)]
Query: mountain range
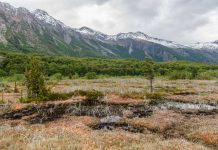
[(37, 32)]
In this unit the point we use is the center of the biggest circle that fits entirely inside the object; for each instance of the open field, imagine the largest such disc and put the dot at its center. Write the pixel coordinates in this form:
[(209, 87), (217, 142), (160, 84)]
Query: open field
[(186, 117)]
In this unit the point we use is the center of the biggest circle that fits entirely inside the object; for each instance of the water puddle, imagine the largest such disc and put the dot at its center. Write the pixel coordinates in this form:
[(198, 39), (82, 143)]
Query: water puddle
[(187, 106), (111, 119)]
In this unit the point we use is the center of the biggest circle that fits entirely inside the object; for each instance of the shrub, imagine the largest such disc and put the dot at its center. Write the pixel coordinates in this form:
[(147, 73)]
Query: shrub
[(207, 75), (59, 96), (175, 75), (91, 75), (57, 76), (2, 73), (92, 96), (80, 93), (49, 97), (26, 100), (134, 95), (75, 76)]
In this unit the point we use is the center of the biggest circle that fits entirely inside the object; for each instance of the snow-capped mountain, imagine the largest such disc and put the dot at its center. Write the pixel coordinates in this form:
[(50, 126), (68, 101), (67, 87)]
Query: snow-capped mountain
[(210, 46), (38, 32), (90, 32), (46, 18), (142, 36), (130, 35)]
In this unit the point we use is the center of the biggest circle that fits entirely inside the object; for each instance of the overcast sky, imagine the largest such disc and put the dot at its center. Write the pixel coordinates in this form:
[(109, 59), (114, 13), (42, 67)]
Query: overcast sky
[(184, 21)]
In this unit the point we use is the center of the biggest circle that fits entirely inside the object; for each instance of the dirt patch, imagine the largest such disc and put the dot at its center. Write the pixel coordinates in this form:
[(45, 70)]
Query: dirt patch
[(119, 126)]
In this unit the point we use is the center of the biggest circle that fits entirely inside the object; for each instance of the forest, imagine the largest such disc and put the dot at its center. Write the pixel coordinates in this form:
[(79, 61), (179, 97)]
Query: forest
[(13, 65)]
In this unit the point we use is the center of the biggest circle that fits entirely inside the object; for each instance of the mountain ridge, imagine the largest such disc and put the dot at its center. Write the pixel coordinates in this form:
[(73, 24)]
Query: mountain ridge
[(37, 31)]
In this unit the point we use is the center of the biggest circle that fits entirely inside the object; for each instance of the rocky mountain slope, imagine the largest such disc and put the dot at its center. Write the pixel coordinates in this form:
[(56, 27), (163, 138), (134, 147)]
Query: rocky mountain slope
[(38, 32)]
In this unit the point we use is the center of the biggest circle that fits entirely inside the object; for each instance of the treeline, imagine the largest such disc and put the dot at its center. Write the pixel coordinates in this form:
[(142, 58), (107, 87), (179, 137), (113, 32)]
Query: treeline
[(16, 64)]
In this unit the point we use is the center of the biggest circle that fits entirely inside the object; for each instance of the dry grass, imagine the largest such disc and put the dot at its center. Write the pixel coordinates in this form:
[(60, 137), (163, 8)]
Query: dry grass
[(111, 98), (160, 121), (185, 132), (212, 98), (207, 135), (74, 134), (179, 90)]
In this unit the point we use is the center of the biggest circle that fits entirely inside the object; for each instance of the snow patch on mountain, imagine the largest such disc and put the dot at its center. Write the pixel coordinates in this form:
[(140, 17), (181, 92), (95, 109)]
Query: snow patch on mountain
[(142, 36), (7, 7), (130, 35), (91, 32), (86, 30), (213, 46), (45, 17)]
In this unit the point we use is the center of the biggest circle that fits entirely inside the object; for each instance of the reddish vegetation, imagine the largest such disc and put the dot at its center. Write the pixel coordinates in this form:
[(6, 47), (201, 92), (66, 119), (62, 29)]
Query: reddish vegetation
[(207, 137), (121, 100), (196, 98), (160, 121), (162, 129)]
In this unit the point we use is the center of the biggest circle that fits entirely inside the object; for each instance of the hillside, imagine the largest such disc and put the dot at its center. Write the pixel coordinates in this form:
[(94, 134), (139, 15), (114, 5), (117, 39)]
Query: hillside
[(38, 32)]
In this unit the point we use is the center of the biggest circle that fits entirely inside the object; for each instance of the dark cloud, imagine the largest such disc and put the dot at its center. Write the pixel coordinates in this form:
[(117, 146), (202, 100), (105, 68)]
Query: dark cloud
[(180, 20)]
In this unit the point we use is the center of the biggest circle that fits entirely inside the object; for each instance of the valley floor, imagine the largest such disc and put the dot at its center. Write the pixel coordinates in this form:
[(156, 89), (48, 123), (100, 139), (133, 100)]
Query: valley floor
[(185, 118)]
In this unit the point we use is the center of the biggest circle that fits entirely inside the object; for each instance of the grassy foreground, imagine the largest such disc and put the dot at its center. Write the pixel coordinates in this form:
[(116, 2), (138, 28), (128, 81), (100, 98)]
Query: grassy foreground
[(164, 129)]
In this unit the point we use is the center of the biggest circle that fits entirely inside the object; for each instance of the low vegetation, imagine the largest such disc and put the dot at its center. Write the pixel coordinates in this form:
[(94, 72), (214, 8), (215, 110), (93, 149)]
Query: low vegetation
[(124, 111), (134, 95), (92, 97), (155, 97)]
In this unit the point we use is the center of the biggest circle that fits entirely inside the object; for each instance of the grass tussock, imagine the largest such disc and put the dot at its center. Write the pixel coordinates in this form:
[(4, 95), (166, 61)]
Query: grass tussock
[(134, 95), (92, 96), (207, 135)]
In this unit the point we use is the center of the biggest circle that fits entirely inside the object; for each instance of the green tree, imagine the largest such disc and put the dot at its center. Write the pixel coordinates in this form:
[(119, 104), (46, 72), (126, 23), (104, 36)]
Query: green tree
[(150, 72), (35, 80)]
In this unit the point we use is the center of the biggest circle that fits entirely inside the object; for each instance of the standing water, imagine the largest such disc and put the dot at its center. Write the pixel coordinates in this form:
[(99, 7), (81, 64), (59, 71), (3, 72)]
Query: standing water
[(184, 106)]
